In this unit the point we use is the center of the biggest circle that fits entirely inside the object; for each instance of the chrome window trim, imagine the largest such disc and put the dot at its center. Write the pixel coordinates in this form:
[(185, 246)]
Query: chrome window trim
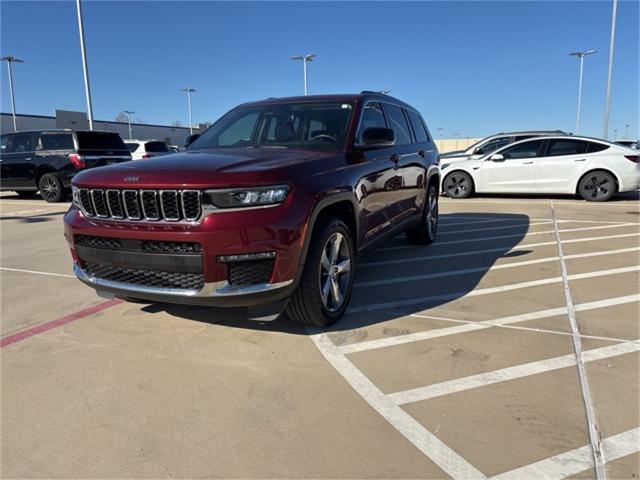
[(93, 202), (124, 203), (164, 215), (184, 212), (144, 211), (109, 203)]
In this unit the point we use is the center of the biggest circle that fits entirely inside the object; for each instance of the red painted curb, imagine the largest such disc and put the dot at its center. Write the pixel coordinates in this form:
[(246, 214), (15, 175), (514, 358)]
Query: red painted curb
[(45, 327)]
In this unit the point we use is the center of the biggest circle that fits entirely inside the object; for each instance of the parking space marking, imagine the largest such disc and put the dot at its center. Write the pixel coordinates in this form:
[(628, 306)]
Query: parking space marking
[(577, 460), (501, 227), (580, 357), (59, 322), (510, 373), (489, 290), (425, 441), (542, 202), (471, 326), (513, 235), (51, 274), (464, 271)]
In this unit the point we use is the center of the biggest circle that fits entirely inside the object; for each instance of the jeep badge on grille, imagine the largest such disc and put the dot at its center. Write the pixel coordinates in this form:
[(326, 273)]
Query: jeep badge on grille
[(131, 178)]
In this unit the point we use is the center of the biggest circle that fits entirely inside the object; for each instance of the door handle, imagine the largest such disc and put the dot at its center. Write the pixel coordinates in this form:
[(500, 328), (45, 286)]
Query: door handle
[(28, 158), (581, 160), (394, 158), (527, 163), (422, 153)]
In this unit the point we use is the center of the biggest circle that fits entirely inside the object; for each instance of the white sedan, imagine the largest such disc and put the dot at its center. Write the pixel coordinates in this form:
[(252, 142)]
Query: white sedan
[(593, 168)]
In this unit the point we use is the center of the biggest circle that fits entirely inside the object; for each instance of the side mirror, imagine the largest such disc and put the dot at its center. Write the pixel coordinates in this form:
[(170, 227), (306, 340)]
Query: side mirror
[(190, 139), (496, 157), (378, 137)]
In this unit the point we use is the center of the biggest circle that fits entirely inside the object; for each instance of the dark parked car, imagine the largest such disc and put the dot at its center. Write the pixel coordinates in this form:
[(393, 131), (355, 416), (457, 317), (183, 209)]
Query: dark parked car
[(47, 160), (267, 209)]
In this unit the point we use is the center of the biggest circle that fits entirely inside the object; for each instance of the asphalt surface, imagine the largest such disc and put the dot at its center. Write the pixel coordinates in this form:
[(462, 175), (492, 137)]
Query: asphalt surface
[(454, 360)]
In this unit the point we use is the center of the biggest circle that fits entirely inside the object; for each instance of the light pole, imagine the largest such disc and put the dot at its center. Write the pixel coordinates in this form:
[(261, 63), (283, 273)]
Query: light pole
[(456, 135), (9, 59), (441, 130), (605, 131), (626, 131), (189, 92), (580, 55), (305, 59), (85, 68), (129, 113), (615, 133)]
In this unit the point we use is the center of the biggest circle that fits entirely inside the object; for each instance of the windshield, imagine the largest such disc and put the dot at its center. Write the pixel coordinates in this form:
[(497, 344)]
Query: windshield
[(307, 125)]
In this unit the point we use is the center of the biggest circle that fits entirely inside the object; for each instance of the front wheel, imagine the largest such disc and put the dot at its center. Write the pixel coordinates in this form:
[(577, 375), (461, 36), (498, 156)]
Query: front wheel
[(425, 232), (458, 185), (51, 188), (597, 186), (325, 288)]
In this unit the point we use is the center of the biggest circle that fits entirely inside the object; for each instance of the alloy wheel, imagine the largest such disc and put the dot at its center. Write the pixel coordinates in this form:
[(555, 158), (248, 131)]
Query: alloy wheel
[(48, 188), (597, 186), (335, 272), (432, 215), (457, 185)]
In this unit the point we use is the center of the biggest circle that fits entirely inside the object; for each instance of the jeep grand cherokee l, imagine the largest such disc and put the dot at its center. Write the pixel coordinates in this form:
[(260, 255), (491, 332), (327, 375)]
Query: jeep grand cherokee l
[(47, 160), (267, 209)]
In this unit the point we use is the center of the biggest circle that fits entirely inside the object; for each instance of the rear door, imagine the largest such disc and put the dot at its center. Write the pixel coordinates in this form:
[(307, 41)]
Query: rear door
[(101, 148), (560, 164), (516, 173), (415, 177)]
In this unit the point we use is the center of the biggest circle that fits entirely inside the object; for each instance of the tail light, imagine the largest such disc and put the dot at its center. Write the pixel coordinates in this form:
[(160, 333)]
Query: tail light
[(77, 160), (633, 158)]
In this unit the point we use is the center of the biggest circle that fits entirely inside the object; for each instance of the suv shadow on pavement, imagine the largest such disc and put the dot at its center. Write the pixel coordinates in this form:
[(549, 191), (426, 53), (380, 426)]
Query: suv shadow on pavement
[(399, 279)]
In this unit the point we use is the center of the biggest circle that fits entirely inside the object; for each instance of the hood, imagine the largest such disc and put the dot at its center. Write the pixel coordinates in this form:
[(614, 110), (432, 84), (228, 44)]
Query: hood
[(209, 168), (454, 159), (449, 154)]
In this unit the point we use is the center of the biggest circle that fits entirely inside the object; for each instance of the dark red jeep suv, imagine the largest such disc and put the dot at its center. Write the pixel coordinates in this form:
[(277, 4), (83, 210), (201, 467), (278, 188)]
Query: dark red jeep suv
[(267, 209)]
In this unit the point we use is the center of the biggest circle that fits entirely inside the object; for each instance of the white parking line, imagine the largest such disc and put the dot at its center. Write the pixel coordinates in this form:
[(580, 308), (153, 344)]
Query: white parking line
[(542, 202), (580, 358), (510, 373), (501, 227), (490, 250), (489, 290), (577, 460), (430, 445), (51, 274), (464, 271), (472, 326), (516, 235)]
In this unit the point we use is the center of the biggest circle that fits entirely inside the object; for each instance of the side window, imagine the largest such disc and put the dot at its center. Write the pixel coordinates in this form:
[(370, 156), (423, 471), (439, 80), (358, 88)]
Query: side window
[(418, 127), (372, 116), (55, 141), (23, 142), (523, 150), (398, 122), (560, 147), (492, 146), (594, 147), (4, 140)]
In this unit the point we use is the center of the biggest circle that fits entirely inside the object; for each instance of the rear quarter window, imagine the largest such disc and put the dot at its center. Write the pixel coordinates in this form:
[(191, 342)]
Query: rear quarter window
[(132, 147), (156, 147), (100, 141), (418, 127), (594, 147)]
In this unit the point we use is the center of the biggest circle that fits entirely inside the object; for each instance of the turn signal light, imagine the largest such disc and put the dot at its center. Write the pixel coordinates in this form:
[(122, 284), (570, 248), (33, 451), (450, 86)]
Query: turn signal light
[(77, 160), (246, 257), (633, 158)]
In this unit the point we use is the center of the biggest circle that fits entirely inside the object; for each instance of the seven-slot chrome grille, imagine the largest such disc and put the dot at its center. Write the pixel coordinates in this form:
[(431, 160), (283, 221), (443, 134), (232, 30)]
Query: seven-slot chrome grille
[(153, 205)]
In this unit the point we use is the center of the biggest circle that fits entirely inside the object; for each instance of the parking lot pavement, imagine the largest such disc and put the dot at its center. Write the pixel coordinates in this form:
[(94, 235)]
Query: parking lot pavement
[(454, 360)]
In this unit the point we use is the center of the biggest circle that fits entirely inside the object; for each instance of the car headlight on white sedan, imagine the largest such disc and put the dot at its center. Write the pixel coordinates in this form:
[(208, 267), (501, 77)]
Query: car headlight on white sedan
[(246, 197)]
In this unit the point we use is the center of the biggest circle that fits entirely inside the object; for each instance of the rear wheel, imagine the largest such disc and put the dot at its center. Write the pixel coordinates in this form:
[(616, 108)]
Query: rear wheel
[(425, 232), (458, 185), (51, 188), (325, 288), (597, 186)]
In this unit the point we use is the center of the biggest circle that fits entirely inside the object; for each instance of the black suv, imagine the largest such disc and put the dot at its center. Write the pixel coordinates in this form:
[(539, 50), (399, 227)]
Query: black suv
[(47, 160)]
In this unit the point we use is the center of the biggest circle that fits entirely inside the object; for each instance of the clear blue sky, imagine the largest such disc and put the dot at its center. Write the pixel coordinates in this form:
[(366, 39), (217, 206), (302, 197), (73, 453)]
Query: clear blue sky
[(470, 67)]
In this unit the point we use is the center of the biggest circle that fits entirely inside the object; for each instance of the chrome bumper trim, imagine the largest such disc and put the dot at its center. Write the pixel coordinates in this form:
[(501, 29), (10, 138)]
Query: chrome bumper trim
[(209, 290)]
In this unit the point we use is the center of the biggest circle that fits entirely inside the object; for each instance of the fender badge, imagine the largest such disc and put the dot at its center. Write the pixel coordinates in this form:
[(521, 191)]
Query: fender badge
[(131, 178)]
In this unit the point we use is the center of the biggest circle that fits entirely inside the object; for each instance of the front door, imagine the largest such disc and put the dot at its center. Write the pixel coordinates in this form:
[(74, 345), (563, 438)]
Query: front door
[(515, 172)]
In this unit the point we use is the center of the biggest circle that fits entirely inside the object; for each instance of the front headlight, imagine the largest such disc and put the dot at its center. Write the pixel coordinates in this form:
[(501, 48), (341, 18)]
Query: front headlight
[(246, 197), (75, 193)]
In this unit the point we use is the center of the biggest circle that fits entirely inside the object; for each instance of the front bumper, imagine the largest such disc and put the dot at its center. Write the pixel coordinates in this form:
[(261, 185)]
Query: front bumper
[(280, 229)]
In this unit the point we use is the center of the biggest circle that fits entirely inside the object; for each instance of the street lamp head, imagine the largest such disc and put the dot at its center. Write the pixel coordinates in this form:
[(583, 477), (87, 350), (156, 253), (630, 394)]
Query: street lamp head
[(129, 112), (188, 90), (304, 58), (583, 54), (11, 59)]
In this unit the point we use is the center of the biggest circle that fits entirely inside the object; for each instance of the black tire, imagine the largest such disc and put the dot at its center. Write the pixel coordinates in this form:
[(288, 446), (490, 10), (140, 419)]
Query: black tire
[(26, 194), (597, 186), (425, 233), (51, 188), (308, 305), (458, 184)]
